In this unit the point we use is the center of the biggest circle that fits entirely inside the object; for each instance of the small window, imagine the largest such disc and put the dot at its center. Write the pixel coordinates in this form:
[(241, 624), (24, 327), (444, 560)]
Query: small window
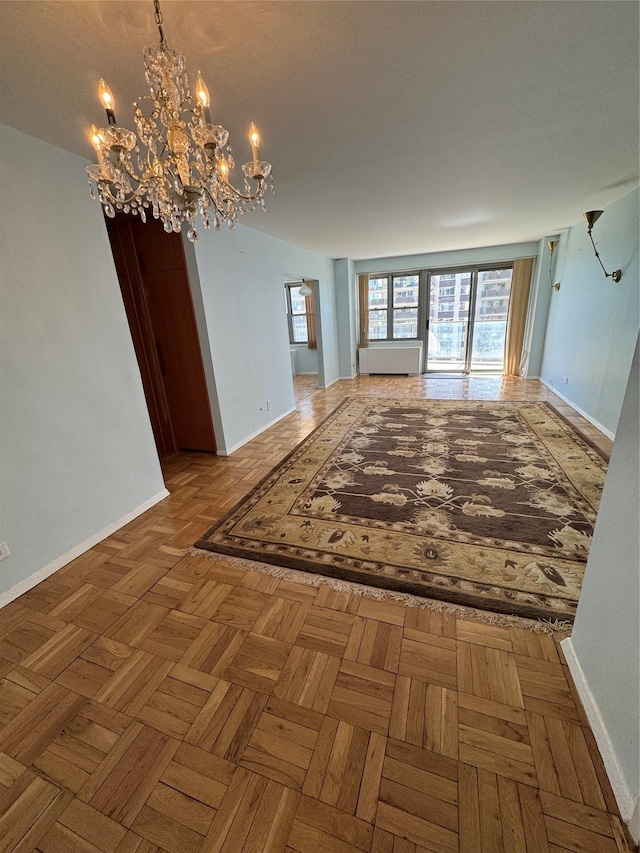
[(296, 314)]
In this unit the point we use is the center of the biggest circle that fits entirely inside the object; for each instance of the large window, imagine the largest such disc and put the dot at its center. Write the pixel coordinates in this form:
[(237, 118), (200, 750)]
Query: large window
[(393, 307), (296, 314)]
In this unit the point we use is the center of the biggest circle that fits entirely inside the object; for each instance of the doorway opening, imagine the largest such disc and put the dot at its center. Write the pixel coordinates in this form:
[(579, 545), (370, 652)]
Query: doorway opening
[(155, 288), (466, 323), (300, 307)]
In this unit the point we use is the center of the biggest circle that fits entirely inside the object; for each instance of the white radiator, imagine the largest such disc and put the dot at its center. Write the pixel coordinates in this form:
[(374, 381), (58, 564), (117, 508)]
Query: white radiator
[(391, 359), (294, 361)]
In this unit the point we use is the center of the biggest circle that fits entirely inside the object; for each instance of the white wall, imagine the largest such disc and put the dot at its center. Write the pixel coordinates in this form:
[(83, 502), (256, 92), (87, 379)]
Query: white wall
[(241, 275), (306, 359), (604, 648), (593, 323), (76, 449), (346, 300), (203, 332), (326, 325), (433, 260), (539, 302)]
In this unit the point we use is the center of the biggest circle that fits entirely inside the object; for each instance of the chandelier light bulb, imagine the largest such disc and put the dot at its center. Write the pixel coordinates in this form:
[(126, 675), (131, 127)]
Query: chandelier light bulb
[(97, 140), (223, 170), (202, 97), (254, 139), (94, 137), (106, 95), (107, 100), (202, 93)]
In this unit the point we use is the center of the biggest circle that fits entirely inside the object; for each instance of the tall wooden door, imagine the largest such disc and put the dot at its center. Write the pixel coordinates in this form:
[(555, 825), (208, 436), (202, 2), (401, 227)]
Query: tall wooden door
[(153, 278)]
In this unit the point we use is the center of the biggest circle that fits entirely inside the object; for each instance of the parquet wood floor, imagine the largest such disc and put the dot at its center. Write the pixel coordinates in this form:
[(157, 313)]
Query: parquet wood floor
[(156, 702)]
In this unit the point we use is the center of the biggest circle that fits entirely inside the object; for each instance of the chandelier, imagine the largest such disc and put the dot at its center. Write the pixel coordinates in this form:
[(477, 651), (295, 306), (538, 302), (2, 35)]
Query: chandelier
[(178, 165)]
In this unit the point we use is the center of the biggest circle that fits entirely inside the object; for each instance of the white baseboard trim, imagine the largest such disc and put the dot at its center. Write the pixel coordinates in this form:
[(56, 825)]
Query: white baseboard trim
[(353, 376), (42, 574), (229, 450), (626, 803), (580, 411)]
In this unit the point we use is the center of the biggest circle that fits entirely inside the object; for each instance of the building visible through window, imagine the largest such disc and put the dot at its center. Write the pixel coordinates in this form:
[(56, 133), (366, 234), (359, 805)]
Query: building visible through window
[(393, 307)]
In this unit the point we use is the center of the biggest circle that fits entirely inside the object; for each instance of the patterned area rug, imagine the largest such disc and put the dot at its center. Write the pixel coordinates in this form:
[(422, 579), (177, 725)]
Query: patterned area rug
[(481, 504)]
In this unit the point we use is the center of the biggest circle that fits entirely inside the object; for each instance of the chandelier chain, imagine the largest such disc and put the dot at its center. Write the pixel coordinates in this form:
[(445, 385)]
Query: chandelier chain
[(159, 20)]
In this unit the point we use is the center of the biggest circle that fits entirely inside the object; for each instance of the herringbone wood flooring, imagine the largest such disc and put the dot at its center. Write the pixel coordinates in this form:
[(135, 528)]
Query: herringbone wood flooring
[(152, 701)]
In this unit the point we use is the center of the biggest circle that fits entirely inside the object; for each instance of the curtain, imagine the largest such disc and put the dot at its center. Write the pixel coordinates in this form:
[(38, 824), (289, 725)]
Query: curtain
[(310, 307), (518, 305), (363, 309)]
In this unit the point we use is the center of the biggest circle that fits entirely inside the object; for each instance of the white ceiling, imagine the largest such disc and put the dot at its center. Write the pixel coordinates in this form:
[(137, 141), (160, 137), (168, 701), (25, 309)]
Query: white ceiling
[(393, 127)]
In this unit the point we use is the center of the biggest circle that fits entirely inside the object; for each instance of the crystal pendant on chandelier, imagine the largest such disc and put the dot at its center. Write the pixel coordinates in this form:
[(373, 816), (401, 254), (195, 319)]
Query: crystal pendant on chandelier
[(177, 165)]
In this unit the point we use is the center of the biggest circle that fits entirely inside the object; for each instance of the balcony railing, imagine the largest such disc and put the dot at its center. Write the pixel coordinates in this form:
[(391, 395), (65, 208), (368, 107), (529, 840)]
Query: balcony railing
[(447, 344)]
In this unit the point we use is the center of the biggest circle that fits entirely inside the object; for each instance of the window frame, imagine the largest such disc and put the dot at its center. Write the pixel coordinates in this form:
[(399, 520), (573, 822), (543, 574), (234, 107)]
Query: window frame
[(390, 309), (289, 286)]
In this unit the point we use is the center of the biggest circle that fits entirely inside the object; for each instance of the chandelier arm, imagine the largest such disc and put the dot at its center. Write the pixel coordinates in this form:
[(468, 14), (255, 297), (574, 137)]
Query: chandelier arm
[(219, 211), (130, 174), (168, 167), (150, 166), (211, 171), (152, 169), (104, 187), (252, 196)]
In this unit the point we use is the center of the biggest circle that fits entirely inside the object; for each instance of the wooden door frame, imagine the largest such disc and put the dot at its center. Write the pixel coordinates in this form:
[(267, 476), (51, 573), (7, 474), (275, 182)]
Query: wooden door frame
[(137, 310)]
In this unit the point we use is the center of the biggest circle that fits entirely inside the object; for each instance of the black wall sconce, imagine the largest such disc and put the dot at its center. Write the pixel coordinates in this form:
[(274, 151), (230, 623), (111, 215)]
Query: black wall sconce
[(592, 217), (552, 247)]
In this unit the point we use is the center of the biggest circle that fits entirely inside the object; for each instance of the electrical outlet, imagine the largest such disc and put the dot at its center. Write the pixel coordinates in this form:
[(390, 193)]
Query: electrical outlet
[(565, 379), (4, 551), (268, 405)]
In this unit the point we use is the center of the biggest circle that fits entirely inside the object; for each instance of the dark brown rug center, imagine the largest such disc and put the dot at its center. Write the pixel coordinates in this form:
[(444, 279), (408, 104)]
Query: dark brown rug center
[(485, 504)]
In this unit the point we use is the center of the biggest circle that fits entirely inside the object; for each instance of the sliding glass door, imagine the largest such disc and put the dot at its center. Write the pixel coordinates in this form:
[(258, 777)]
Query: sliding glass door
[(448, 322), (493, 291), (467, 320)]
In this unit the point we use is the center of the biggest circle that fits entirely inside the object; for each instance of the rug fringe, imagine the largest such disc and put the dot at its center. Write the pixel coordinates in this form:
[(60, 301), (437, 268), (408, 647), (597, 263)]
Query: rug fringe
[(547, 626)]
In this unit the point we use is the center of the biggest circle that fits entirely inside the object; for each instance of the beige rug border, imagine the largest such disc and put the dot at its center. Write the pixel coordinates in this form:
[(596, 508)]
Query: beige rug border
[(546, 626)]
